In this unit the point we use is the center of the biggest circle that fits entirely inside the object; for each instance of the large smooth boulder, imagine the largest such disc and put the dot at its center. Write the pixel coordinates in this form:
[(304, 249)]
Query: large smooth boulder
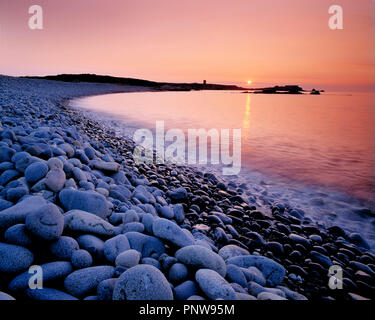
[(55, 180), (106, 166), (81, 282), (272, 271), (35, 172), (85, 222), (89, 201), (47, 222), (168, 230), (231, 250), (14, 258), (214, 285), (199, 257), (142, 282), (18, 213)]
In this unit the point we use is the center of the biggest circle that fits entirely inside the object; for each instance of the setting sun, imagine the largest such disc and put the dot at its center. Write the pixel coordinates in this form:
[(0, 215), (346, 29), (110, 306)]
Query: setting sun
[(249, 81)]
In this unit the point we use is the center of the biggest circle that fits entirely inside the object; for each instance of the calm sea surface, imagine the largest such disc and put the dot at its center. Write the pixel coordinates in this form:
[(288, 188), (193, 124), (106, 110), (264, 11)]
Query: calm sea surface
[(320, 148)]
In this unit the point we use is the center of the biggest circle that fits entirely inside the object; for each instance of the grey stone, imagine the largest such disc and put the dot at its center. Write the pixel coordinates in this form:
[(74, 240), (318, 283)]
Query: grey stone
[(142, 282), (85, 222), (200, 257), (114, 246), (55, 180), (81, 259), (128, 258), (83, 281), (64, 247), (35, 172), (89, 201), (230, 251), (14, 258), (214, 285), (272, 271), (168, 230), (46, 222)]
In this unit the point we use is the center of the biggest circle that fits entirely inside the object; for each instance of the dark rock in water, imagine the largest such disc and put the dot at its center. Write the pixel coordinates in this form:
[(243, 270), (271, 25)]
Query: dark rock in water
[(200, 257), (185, 290), (48, 294), (337, 231), (14, 258), (214, 285), (357, 239), (142, 282), (50, 271), (83, 281), (46, 222), (92, 202)]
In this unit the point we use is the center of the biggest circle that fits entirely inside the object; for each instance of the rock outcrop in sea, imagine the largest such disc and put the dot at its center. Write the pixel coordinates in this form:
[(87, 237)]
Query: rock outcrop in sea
[(101, 227)]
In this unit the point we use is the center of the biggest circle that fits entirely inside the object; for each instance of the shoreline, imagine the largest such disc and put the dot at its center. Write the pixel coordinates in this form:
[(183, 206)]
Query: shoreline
[(215, 215), (324, 204)]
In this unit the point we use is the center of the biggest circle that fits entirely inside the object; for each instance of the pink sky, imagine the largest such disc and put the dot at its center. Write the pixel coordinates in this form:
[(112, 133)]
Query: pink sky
[(266, 41)]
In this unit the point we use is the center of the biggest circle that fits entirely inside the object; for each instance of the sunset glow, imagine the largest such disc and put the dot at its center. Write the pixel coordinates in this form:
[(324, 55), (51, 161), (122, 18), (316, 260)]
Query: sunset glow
[(288, 41)]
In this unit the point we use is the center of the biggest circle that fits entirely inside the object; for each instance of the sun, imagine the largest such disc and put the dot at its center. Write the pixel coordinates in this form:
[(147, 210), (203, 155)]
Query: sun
[(249, 82)]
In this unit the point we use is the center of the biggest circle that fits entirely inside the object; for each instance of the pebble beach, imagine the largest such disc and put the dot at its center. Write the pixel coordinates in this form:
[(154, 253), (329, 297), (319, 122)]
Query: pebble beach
[(101, 227)]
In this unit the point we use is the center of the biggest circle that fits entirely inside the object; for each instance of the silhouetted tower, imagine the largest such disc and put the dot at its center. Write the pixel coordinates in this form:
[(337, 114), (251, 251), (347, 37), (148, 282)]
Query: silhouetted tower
[(204, 82)]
